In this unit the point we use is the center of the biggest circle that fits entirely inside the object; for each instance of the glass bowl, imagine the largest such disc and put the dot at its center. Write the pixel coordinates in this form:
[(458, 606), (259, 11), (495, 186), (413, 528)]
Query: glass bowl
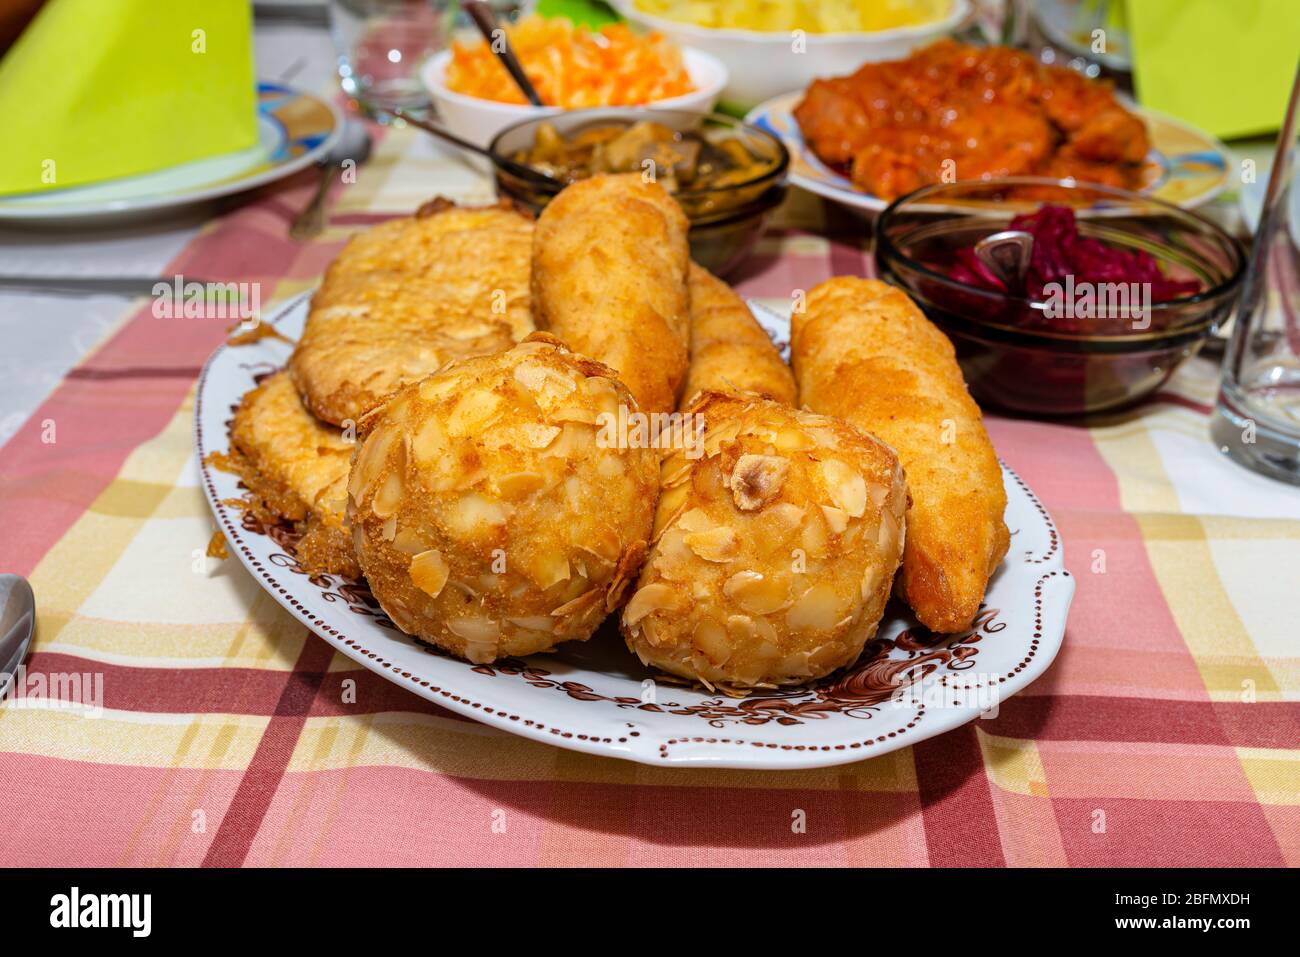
[(1061, 356), (726, 221)]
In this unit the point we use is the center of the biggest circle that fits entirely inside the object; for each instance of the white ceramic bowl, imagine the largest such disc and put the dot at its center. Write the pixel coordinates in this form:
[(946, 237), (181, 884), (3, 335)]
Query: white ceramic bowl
[(763, 65), (479, 120)]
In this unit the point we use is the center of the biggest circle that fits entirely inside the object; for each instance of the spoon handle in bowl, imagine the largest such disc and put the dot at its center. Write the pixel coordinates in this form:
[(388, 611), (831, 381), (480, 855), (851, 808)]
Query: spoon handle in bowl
[(499, 44)]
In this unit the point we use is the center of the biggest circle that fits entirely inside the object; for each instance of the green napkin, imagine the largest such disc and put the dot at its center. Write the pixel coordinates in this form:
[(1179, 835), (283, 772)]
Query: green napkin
[(588, 13), (1225, 67), (95, 90)]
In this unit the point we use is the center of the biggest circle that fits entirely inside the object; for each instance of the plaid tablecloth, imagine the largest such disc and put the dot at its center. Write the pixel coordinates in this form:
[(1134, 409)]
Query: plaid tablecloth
[(1166, 733)]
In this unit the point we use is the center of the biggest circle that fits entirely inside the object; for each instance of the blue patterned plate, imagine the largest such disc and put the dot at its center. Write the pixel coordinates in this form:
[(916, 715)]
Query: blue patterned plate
[(294, 129)]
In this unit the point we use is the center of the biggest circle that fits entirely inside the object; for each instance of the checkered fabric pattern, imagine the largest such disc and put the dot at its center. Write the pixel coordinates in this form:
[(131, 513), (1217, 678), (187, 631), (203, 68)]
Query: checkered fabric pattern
[(1166, 733)]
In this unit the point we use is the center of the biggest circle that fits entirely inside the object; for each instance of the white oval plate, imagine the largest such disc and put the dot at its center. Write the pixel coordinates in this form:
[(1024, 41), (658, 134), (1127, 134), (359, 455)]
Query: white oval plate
[(294, 130), (1185, 166), (596, 697)]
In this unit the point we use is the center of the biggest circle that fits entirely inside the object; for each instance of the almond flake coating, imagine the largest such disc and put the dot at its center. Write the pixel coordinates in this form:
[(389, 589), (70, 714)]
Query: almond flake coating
[(408, 295), (484, 524), (774, 563), (296, 470)]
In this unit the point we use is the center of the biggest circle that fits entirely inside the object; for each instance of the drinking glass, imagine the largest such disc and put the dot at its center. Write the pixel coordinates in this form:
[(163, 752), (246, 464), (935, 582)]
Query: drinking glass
[(1257, 416), (382, 44)]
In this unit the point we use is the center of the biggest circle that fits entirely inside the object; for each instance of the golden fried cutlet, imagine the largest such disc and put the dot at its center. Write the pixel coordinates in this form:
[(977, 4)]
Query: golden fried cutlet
[(296, 469), (863, 351), (730, 351), (408, 295), (610, 259)]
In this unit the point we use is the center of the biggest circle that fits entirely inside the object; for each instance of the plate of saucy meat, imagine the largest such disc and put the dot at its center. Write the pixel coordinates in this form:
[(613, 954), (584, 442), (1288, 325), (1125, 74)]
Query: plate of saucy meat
[(953, 112), (554, 476)]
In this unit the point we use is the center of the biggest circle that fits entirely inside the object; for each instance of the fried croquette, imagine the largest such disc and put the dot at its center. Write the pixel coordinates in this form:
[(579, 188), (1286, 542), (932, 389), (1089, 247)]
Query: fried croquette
[(610, 259), (864, 352), (488, 515), (773, 552), (408, 295), (295, 468), (730, 352)]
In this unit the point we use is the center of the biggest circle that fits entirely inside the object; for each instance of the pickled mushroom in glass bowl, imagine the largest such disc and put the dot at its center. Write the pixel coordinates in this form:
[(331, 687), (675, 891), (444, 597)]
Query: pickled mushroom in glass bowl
[(684, 162), (727, 175)]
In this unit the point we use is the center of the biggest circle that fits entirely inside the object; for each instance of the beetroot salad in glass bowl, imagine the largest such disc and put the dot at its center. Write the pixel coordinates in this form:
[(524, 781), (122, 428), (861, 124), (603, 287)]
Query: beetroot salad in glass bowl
[(1118, 289)]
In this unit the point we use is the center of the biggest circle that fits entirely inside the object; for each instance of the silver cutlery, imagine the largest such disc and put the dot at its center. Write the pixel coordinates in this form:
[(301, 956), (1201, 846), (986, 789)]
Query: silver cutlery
[(130, 286), (17, 622), (267, 12), (353, 145), (506, 163), (1006, 255)]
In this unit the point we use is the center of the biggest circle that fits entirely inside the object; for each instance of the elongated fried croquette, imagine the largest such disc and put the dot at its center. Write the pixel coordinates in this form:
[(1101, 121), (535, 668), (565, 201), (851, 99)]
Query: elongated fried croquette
[(730, 352), (774, 551), (609, 279), (863, 351), (488, 516), (406, 296)]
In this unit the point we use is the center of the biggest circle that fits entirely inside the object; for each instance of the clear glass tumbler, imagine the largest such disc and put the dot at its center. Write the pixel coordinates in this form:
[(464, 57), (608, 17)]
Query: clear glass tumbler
[(382, 44), (1257, 418)]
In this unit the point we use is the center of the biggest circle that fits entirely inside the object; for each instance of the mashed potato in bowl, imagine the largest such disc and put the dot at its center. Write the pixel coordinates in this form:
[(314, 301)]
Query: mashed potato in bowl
[(811, 16), (765, 57)]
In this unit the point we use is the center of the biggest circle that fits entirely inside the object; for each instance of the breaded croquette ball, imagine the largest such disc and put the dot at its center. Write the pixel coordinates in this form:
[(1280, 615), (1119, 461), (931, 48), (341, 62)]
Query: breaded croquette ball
[(773, 551), (488, 515)]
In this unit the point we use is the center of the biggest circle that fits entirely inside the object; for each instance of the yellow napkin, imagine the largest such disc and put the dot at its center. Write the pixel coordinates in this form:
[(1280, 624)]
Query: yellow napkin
[(1225, 67), (95, 90)]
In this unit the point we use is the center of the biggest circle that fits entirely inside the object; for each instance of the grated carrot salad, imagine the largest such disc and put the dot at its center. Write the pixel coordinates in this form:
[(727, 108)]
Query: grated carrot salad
[(572, 67)]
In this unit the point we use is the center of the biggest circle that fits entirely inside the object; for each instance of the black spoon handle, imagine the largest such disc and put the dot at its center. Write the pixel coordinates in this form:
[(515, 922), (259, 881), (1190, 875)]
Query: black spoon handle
[(505, 162), (499, 44)]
